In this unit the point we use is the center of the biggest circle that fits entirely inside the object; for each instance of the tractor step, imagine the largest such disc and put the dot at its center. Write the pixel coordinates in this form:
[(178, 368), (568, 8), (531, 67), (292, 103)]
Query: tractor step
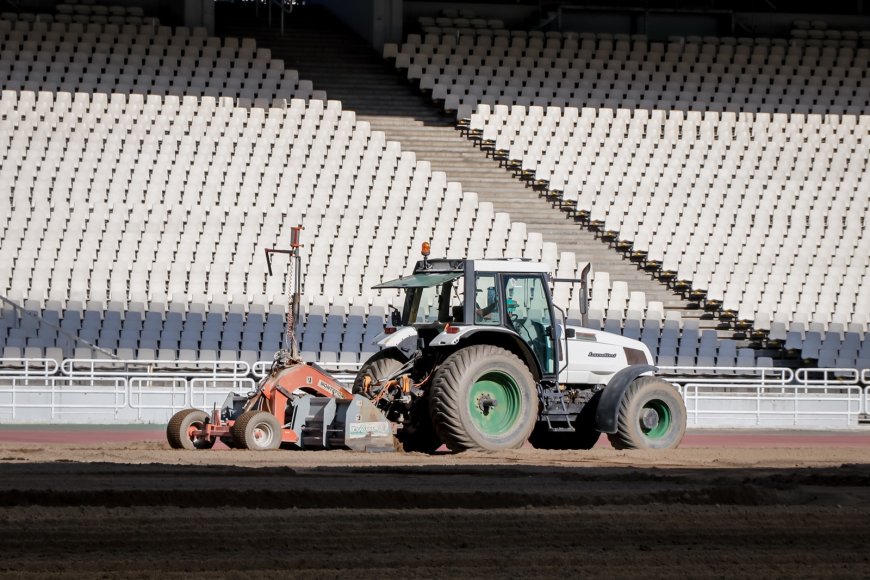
[(559, 424)]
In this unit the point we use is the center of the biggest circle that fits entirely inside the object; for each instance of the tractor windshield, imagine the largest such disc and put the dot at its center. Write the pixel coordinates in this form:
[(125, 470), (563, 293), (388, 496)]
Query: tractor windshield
[(432, 298)]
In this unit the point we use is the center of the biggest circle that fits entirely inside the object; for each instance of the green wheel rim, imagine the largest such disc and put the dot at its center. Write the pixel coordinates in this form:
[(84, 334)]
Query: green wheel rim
[(500, 388), (663, 425)]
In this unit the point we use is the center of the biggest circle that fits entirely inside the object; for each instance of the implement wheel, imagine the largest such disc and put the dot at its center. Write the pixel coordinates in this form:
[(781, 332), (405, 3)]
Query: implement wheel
[(257, 430), (652, 415), (181, 432), (483, 397)]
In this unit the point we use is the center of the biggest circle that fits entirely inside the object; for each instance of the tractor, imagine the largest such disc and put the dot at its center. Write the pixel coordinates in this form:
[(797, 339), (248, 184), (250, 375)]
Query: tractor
[(479, 357), (476, 359)]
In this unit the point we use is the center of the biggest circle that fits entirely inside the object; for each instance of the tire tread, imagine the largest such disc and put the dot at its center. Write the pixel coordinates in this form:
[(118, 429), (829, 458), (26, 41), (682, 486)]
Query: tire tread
[(174, 435), (623, 439), (446, 394)]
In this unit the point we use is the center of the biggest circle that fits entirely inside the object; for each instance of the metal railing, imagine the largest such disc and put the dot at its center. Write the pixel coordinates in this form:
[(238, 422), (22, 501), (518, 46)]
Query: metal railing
[(344, 372), (115, 391), (771, 397), (56, 398), (150, 391), (159, 368)]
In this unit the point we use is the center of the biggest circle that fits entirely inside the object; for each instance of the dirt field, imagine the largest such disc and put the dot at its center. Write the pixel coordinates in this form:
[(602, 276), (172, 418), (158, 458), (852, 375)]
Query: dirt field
[(137, 509)]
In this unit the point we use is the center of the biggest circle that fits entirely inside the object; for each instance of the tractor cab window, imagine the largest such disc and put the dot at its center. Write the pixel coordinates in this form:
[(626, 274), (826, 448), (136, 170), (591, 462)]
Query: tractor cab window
[(431, 299), (486, 302), (528, 313), (424, 305)]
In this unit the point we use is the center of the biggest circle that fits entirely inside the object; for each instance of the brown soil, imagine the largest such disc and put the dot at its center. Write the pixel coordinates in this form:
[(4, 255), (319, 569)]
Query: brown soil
[(139, 510)]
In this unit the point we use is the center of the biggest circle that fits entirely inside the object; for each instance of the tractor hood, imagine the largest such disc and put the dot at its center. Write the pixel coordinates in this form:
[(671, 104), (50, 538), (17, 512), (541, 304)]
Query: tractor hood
[(593, 356)]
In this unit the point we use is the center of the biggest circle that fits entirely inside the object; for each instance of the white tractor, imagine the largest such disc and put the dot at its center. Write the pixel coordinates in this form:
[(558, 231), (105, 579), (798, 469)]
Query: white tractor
[(480, 358)]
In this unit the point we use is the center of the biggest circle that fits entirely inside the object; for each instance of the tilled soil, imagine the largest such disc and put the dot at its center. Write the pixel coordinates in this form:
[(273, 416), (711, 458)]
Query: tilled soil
[(140, 510)]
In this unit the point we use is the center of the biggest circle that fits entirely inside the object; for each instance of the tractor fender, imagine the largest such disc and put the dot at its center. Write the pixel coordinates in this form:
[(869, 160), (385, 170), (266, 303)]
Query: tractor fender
[(461, 336), (607, 413), (403, 339)]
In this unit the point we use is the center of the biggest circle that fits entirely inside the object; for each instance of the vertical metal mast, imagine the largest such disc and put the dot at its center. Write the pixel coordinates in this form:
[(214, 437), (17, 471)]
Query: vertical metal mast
[(294, 282)]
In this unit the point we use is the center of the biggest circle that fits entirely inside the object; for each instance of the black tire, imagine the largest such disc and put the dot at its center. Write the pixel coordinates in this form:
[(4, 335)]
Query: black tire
[(229, 442), (380, 365), (461, 398), (257, 430), (585, 435), (419, 434), (652, 415), (181, 427)]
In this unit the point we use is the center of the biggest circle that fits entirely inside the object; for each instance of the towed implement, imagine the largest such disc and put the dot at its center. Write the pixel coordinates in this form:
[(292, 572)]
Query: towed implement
[(478, 358), (298, 405)]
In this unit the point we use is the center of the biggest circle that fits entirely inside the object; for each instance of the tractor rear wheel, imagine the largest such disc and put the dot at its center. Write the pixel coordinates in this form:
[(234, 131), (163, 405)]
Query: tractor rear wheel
[(419, 433), (257, 430), (652, 415), (483, 397), (181, 432), (379, 366)]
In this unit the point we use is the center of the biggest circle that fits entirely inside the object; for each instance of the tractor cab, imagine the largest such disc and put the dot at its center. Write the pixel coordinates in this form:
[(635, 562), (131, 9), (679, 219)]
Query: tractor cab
[(503, 302)]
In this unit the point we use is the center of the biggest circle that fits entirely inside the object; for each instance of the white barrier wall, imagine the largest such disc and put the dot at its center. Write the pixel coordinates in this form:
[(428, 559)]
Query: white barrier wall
[(82, 391)]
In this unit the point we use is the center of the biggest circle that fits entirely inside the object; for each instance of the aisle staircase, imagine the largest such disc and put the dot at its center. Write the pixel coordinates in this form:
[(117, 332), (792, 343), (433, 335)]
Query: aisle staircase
[(328, 53)]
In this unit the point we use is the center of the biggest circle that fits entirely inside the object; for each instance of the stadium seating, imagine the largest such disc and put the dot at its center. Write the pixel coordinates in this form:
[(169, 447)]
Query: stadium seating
[(149, 166), (141, 59), (737, 166), (136, 220)]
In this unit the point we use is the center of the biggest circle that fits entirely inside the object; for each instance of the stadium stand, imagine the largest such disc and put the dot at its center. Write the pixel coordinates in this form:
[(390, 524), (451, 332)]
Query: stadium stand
[(144, 163), (733, 167), (137, 221)]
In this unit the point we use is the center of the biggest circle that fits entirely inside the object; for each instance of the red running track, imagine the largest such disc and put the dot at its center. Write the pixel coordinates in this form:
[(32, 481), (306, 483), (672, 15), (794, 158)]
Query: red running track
[(736, 438)]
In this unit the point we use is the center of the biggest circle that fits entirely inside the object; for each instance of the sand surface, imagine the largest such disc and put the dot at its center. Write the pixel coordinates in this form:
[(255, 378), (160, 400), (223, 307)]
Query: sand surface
[(137, 510)]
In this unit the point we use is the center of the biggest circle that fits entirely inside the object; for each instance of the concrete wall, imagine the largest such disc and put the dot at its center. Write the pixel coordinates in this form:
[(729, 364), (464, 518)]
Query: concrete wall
[(145, 398), (779, 25), (377, 21), (514, 16), (197, 13), (661, 24), (652, 23)]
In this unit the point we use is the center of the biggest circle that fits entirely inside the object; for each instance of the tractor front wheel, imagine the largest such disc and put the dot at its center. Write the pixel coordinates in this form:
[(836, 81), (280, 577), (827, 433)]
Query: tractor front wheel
[(652, 415), (183, 429), (483, 397), (257, 430)]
